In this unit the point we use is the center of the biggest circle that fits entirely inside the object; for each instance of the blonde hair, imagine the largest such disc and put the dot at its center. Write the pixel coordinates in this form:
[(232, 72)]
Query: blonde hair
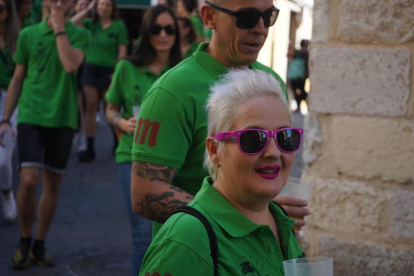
[(235, 88)]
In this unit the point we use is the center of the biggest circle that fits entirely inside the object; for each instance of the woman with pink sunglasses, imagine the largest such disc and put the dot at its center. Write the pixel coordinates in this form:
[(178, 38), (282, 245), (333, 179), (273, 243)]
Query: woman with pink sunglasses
[(249, 154)]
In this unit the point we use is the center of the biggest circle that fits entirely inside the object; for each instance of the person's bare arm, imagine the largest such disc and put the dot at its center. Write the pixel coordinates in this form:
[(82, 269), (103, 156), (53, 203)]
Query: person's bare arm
[(70, 57), (122, 52), (77, 18), (152, 194), (14, 91), (114, 118), (13, 95)]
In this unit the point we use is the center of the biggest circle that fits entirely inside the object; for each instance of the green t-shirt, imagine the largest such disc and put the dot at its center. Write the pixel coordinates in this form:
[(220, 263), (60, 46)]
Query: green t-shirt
[(198, 25), (182, 246), (49, 94), (6, 68), (193, 48), (172, 125), (129, 85), (105, 42)]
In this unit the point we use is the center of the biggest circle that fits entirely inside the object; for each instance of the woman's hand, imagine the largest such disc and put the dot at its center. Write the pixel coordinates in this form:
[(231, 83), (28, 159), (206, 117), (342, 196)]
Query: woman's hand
[(128, 126), (295, 207)]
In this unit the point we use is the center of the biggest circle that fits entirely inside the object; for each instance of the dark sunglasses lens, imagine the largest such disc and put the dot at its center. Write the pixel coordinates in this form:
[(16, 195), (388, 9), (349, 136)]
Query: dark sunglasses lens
[(288, 140), (253, 141), (271, 18), (156, 29), (170, 30), (247, 19)]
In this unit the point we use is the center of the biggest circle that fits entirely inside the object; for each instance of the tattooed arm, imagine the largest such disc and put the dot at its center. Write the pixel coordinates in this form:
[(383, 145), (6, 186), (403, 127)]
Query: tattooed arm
[(114, 118), (152, 195)]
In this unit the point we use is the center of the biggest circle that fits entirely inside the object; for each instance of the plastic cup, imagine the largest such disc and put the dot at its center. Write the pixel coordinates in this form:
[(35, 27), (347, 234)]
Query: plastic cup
[(135, 110), (297, 188), (312, 266)]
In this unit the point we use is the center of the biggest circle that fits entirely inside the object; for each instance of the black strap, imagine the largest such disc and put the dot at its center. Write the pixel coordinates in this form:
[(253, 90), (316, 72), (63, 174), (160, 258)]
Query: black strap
[(211, 235)]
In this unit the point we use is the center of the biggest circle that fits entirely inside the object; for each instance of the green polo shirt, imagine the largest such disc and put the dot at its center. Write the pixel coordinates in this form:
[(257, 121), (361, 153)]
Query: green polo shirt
[(49, 94), (105, 42), (129, 85), (172, 125), (198, 25), (6, 69), (182, 246)]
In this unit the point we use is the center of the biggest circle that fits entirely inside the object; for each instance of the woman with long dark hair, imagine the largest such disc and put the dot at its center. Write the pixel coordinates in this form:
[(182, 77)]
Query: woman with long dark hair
[(158, 51), (9, 31), (109, 45)]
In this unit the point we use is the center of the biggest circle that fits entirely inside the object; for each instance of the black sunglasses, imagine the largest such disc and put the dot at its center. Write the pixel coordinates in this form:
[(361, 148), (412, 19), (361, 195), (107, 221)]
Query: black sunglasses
[(169, 29), (248, 18)]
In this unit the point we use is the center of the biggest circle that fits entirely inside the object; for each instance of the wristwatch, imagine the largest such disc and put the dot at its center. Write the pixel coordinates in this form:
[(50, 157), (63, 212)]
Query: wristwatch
[(6, 121)]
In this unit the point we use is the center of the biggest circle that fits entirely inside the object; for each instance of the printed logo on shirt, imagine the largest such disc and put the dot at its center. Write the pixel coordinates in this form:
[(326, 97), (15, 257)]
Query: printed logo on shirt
[(112, 35), (251, 268), (145, 126)]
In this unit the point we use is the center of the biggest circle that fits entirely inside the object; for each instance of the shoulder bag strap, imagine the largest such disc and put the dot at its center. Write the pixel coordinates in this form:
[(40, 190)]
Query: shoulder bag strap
[(211, 235)]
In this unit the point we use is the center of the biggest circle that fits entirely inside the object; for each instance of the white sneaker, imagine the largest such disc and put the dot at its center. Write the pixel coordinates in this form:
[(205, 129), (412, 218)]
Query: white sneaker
[(9, 207), (81, 142)]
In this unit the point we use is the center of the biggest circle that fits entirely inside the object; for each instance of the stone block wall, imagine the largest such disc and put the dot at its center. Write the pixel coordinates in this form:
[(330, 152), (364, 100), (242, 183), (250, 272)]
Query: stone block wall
[(359, 144)]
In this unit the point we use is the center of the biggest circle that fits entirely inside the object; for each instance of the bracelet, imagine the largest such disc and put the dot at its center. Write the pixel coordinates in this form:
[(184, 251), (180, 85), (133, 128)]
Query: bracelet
[(60, 33), (6, 121)]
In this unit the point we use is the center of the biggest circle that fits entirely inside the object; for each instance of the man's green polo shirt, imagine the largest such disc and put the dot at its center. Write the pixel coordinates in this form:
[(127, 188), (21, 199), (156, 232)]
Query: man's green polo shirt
[(105, 42), (172, 125), (6, 69), (129, 85), (49, 94), (182, 246)]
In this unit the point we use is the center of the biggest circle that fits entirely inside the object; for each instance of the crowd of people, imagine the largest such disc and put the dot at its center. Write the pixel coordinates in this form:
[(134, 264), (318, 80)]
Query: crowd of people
[(60, 58)]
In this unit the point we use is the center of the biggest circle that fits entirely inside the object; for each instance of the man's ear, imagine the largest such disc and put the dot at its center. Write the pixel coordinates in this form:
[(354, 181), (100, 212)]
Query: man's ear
[(208, 14), (212, 149)]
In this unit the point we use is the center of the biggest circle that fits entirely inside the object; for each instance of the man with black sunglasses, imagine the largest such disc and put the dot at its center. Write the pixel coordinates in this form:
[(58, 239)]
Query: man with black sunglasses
[(169, 142)]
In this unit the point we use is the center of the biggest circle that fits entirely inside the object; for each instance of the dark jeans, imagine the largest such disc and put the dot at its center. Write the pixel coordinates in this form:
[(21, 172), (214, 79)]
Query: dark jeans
[(141, 227)]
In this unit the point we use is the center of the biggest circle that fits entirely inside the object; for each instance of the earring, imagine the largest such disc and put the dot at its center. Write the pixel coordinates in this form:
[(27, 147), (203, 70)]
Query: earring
[(217, 165)]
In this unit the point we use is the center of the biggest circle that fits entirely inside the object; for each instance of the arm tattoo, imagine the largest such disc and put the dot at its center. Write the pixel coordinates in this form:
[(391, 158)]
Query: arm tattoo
[(159, 207), (114, 118), (154, 172)]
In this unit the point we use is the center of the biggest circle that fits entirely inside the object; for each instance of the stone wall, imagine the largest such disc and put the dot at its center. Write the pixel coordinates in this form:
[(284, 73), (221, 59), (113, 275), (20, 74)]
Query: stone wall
[(359, 147)]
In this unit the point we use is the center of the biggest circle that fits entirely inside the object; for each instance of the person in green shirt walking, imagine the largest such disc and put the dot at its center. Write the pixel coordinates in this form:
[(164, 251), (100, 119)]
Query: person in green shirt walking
[(188, 37), (159, 51), (9, 31), (168, 149), (186, 8), (109, 45), (44, 85), (249, 154)]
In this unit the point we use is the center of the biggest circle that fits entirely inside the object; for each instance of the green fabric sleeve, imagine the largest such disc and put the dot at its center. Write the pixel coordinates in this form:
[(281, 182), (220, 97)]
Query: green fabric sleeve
[(114, 94), (123, 34), (84, 41), (22, 53), (153, 137)]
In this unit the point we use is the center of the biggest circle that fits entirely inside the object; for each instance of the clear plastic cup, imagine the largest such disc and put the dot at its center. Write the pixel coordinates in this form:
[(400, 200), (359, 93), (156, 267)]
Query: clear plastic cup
[(135, 110), (297, 188), (311, 266)]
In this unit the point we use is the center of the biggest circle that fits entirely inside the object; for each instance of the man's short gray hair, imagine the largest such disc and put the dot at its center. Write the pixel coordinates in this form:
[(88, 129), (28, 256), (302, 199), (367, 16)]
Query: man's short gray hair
[(235, 88)]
